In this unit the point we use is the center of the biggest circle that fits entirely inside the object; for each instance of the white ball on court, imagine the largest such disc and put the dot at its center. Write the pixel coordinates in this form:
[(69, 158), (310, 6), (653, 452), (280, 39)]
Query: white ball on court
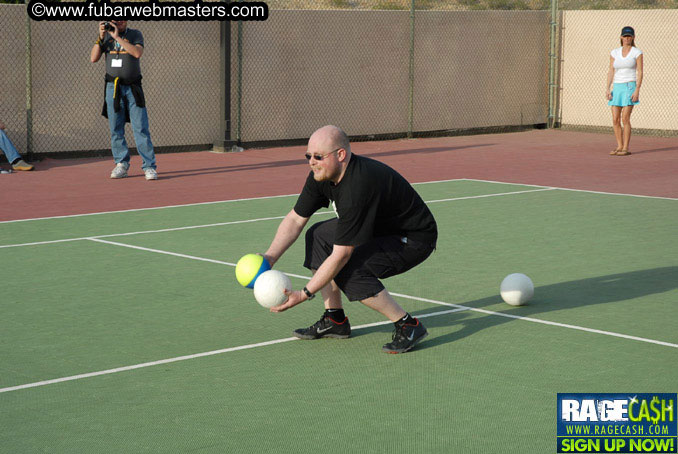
[(516, 289), (269, 288)]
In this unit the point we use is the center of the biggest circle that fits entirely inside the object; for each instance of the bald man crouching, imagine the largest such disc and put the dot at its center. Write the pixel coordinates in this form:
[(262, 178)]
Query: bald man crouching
[(383, 228)]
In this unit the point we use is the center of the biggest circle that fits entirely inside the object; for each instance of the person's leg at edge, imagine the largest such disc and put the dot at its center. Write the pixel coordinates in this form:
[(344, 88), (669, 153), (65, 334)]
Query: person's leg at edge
[(8, 148), (617, 127), (116, 123), (142, 136), (626, 120)]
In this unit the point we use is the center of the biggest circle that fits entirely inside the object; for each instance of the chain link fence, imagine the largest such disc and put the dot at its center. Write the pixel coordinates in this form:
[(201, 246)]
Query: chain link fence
[(13, 73), (378, 68), (385, 69), (586, 41), (51, 95)]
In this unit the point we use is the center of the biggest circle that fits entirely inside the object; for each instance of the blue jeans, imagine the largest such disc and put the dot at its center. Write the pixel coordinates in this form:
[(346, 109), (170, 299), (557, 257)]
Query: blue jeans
[(8, 148), (139, 119)]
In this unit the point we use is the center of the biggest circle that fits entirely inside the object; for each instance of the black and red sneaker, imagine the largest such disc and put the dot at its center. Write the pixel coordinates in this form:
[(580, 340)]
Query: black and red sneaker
[(325, 327), (405, 337)]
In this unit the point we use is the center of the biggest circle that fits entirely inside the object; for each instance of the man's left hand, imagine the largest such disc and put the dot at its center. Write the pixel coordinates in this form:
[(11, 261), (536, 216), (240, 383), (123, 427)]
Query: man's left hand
[(294, 298)]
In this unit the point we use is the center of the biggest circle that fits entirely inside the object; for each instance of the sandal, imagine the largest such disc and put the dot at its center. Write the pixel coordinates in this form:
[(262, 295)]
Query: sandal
[(623, 153), (615, 151)]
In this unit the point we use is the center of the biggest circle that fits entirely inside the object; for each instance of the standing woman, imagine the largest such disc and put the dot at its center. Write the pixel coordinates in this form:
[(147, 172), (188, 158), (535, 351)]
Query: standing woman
[(626, 71)]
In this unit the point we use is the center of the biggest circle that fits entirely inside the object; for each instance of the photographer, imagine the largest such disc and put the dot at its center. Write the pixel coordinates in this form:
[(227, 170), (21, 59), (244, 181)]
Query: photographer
[(124, 98)]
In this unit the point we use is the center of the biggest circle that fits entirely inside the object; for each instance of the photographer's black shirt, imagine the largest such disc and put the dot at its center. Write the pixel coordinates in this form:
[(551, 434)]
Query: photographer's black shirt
[(371, 200), (130, 68)]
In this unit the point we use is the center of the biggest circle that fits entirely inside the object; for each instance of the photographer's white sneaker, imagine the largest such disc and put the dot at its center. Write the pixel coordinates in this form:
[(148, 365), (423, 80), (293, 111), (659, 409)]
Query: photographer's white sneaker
[(120, 170), (151, 174)]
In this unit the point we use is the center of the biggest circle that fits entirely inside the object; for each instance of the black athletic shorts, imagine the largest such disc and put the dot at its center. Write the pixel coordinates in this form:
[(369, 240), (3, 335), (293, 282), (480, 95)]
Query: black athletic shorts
[(379, 258)]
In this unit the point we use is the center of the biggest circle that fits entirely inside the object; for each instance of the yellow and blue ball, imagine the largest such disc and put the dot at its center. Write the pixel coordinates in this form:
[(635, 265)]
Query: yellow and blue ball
[(248, 269)]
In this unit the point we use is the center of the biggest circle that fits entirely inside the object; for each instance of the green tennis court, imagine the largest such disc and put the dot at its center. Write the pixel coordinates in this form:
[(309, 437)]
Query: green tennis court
[(131, 333)]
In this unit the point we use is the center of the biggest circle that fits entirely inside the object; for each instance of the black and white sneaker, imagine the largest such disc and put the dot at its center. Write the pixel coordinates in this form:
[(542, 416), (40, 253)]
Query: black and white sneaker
[(325, 327), (405, 337)]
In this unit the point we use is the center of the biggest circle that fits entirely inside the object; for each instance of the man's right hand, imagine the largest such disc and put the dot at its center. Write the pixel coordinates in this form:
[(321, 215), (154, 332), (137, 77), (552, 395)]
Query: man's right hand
[(102, 31)]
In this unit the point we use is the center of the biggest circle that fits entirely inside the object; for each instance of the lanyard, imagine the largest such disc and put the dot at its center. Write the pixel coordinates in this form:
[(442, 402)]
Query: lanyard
[(118, 46)]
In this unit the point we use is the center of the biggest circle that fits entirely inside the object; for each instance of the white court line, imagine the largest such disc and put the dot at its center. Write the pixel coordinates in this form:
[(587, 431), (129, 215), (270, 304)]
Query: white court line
[(144, 209), (185, 205), (293, 195), (192, 257), (574, 190), (490, 195), (142, 365), (186, 357), (543, 322), (174, 229), (441, 303), (158, 251), (146, 231)]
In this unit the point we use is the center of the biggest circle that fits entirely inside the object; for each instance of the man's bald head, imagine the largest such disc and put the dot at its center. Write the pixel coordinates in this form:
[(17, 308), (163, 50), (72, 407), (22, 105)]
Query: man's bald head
[(329, 138)]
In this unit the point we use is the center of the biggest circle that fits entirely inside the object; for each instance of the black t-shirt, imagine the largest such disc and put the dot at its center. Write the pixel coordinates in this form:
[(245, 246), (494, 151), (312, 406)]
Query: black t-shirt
[(130, 68), (371, 200)]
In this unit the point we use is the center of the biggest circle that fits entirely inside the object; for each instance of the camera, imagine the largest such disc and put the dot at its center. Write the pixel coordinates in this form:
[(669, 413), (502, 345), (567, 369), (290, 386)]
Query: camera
[(108, 27)]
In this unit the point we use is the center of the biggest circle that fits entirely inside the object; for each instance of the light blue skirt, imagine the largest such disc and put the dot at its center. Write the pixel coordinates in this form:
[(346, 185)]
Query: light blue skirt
[(621, 94)]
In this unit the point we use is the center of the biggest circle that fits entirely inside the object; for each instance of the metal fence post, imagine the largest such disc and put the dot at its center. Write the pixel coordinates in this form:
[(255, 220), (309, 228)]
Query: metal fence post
[(410, 113), (29, 92), (225, 142), (238, 99), (552, 65)]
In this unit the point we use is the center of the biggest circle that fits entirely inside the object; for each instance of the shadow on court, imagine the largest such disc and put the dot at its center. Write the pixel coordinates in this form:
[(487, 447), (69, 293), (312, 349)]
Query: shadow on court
[(654, 150), (378, 155), (301, 161), (566, 295)]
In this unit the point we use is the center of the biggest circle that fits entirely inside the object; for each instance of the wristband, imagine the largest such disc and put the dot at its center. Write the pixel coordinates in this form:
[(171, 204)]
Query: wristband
[(308, 293)]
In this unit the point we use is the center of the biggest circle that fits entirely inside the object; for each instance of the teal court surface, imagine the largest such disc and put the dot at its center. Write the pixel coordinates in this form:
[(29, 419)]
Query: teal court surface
[(128, 331)]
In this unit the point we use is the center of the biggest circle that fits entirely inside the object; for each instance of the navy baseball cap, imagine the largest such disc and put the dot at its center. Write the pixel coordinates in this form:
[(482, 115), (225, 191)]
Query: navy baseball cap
[(628, 31)]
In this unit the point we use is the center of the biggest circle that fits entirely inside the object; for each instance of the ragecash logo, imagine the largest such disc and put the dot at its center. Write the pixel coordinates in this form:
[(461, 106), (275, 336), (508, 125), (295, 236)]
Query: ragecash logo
[(607, 423)]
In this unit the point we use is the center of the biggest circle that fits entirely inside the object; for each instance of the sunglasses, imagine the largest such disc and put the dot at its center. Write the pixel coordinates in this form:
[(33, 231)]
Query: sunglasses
[(319, 157)]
